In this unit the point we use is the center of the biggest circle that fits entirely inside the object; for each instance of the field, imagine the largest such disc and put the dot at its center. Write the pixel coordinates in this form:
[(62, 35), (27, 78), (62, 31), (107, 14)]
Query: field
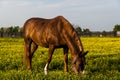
[(103, 61)]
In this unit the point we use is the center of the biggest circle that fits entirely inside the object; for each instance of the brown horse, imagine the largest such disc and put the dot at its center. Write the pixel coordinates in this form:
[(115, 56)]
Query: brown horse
[(53, 33)]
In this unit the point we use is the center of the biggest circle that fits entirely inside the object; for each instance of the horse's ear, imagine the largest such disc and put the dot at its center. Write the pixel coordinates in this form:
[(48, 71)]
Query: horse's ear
[(85, 53), (74, 61)]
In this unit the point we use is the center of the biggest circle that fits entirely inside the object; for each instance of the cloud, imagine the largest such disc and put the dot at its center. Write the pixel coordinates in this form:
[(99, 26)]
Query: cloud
[(81, 12)]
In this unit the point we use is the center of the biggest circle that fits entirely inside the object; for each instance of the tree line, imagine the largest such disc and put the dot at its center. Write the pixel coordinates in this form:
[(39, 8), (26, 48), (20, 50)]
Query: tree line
[(17, 31), (13, 31), (87, 32)]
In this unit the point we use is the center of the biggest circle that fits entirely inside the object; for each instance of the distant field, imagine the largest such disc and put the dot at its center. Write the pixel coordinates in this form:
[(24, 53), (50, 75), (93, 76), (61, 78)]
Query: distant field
[(103, 61)]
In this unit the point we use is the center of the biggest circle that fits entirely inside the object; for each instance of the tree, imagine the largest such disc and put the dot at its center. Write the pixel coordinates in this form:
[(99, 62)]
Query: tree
[(116, 28), (86, 30), (79, 30), (16, 29), (1, 31), (10, 29), (104, 33)]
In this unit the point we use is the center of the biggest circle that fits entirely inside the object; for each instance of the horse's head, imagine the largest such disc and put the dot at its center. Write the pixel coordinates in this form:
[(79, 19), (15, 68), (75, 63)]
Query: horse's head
[(78, 64)]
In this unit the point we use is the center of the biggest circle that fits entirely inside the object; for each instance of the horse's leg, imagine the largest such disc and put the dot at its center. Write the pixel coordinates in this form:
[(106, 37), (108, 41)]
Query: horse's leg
[(51, 50), (27, 54), (33, 48), (66, 59)]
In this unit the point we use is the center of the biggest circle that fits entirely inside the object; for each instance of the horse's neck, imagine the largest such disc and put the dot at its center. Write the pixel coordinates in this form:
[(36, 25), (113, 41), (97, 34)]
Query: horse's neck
[(72, 40), (73, 46), (79, 43)]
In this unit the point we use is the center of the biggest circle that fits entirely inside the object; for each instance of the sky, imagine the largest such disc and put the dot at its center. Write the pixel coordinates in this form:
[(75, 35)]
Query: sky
[(96, 15)]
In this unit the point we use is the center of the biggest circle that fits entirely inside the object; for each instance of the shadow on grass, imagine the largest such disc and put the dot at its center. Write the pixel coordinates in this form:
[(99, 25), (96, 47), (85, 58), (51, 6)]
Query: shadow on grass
[(103, 63)]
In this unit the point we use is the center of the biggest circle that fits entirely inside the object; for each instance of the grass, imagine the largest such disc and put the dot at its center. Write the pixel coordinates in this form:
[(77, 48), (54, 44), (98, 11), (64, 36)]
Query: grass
[(103, 61)]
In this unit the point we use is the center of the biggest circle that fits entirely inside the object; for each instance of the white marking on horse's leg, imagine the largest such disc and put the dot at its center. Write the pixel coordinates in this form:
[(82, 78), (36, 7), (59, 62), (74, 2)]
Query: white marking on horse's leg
[(83, 72), (45, 69)]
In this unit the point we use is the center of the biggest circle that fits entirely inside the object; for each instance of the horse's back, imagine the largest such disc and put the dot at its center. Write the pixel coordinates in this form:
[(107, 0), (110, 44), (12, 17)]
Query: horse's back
[(34, 25), (44, 31)]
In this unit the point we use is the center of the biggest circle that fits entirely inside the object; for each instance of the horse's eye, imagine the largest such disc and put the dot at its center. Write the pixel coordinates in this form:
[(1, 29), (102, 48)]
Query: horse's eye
[(85, 63)]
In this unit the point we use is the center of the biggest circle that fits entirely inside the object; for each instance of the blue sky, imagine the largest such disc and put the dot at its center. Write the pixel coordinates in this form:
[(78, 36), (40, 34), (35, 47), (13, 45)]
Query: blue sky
[(97, 15)]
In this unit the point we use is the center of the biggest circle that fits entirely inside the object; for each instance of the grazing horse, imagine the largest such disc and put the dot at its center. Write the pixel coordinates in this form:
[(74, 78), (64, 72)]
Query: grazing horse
[(53, 33)]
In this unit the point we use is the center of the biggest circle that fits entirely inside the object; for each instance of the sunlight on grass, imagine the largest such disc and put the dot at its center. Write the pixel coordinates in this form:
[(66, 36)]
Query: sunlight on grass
[(103, 61)]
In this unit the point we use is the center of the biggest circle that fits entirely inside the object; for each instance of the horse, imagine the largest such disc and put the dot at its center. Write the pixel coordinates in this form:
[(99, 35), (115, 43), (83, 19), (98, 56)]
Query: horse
[(53, 33)]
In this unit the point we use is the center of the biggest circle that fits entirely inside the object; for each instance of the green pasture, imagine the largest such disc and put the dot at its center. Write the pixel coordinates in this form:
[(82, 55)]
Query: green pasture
[(103, 61)]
